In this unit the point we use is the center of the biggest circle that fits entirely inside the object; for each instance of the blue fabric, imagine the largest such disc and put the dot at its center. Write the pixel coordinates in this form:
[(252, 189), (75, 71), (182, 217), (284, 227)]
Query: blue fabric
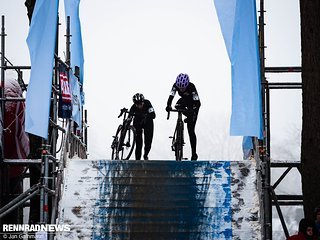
[(76, 100), (247, 147), (41, 42), (226, 11), (77, 59), (239, 28)]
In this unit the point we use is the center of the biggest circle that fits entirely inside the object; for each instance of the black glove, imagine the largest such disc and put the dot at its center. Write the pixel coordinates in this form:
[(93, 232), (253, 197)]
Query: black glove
[(168, 108)]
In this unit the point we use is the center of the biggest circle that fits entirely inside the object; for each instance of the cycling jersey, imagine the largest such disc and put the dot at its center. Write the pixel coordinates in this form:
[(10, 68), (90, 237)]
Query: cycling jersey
[(141, 116), (190, 96), (143, 123)]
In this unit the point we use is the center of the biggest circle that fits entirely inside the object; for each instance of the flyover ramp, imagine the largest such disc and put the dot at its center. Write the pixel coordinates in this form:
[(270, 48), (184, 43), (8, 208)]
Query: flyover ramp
[(108, 199)]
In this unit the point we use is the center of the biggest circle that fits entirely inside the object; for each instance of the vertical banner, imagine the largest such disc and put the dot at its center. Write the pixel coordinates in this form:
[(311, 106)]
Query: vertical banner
[(238, 22), (247, 148), (76, 100), (41, 42), (77, 59), (65, 99)]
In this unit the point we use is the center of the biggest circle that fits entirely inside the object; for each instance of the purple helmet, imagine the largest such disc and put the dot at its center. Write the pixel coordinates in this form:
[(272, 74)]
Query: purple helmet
[(182, 80)]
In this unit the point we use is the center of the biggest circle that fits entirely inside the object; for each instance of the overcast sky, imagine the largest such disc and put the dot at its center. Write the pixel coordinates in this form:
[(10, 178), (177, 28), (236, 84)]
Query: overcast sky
[(142, 45)]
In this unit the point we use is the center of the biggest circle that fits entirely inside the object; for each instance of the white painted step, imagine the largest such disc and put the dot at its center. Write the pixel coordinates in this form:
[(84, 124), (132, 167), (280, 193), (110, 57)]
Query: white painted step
[(105, 199)]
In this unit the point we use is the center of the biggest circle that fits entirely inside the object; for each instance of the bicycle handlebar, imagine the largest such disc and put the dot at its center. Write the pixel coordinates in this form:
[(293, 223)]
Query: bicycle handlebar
[(177, 110), (122, 111)]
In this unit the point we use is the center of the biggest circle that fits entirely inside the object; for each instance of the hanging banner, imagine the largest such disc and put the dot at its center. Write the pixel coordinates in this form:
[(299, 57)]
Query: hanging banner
[(77, 59), (41, 42), (238, 22), (76, 100), (247, 148), (65, 99)]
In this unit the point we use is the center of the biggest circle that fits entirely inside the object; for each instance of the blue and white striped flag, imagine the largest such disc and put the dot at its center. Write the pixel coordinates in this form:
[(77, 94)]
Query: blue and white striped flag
[(41, 42), (238, 23)]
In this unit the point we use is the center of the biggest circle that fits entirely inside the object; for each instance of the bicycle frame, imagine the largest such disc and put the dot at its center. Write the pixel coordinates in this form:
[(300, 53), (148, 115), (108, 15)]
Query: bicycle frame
[(124, 138), (125, 124), (178, 135)]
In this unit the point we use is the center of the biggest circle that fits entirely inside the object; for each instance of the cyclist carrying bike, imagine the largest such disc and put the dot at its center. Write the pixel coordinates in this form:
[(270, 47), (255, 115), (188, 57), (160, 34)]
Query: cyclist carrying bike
[(143, 115), (190, 101)]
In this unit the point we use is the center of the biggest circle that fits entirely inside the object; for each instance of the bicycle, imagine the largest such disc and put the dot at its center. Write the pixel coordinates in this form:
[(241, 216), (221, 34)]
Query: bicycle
[(124, 139), (178, 136)]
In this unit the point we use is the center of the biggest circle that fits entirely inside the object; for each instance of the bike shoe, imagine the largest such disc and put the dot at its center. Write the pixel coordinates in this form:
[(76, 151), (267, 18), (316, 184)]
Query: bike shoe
[(194, 157)]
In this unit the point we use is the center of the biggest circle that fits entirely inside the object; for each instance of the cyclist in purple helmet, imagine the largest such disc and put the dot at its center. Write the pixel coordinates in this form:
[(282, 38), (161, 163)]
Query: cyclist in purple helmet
[(189, 100), (143, 115)]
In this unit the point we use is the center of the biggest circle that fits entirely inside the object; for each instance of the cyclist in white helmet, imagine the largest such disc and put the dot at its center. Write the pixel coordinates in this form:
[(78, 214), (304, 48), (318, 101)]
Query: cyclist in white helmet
[(143, 115), (189, 100)]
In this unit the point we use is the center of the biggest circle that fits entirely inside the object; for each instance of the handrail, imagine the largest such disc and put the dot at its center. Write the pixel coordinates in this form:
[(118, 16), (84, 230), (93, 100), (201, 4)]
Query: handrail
[(77, 147)]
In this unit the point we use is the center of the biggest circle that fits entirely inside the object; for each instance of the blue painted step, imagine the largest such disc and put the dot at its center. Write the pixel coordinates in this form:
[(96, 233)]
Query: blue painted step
[(106, 199)]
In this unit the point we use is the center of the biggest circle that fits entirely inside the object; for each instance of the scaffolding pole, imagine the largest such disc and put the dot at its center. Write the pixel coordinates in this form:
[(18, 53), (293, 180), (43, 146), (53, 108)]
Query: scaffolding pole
[(264, 144), (48, 162), (269, 196)]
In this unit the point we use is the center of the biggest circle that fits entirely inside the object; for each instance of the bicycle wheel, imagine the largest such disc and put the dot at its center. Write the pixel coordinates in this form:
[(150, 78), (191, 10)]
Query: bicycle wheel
[(115, 143), (179, 142), (127, 143)]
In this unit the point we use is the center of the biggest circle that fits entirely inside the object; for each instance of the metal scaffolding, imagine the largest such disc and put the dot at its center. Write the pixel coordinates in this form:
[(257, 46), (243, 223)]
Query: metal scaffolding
[(52, 160), (72, 144), (269, 197)]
